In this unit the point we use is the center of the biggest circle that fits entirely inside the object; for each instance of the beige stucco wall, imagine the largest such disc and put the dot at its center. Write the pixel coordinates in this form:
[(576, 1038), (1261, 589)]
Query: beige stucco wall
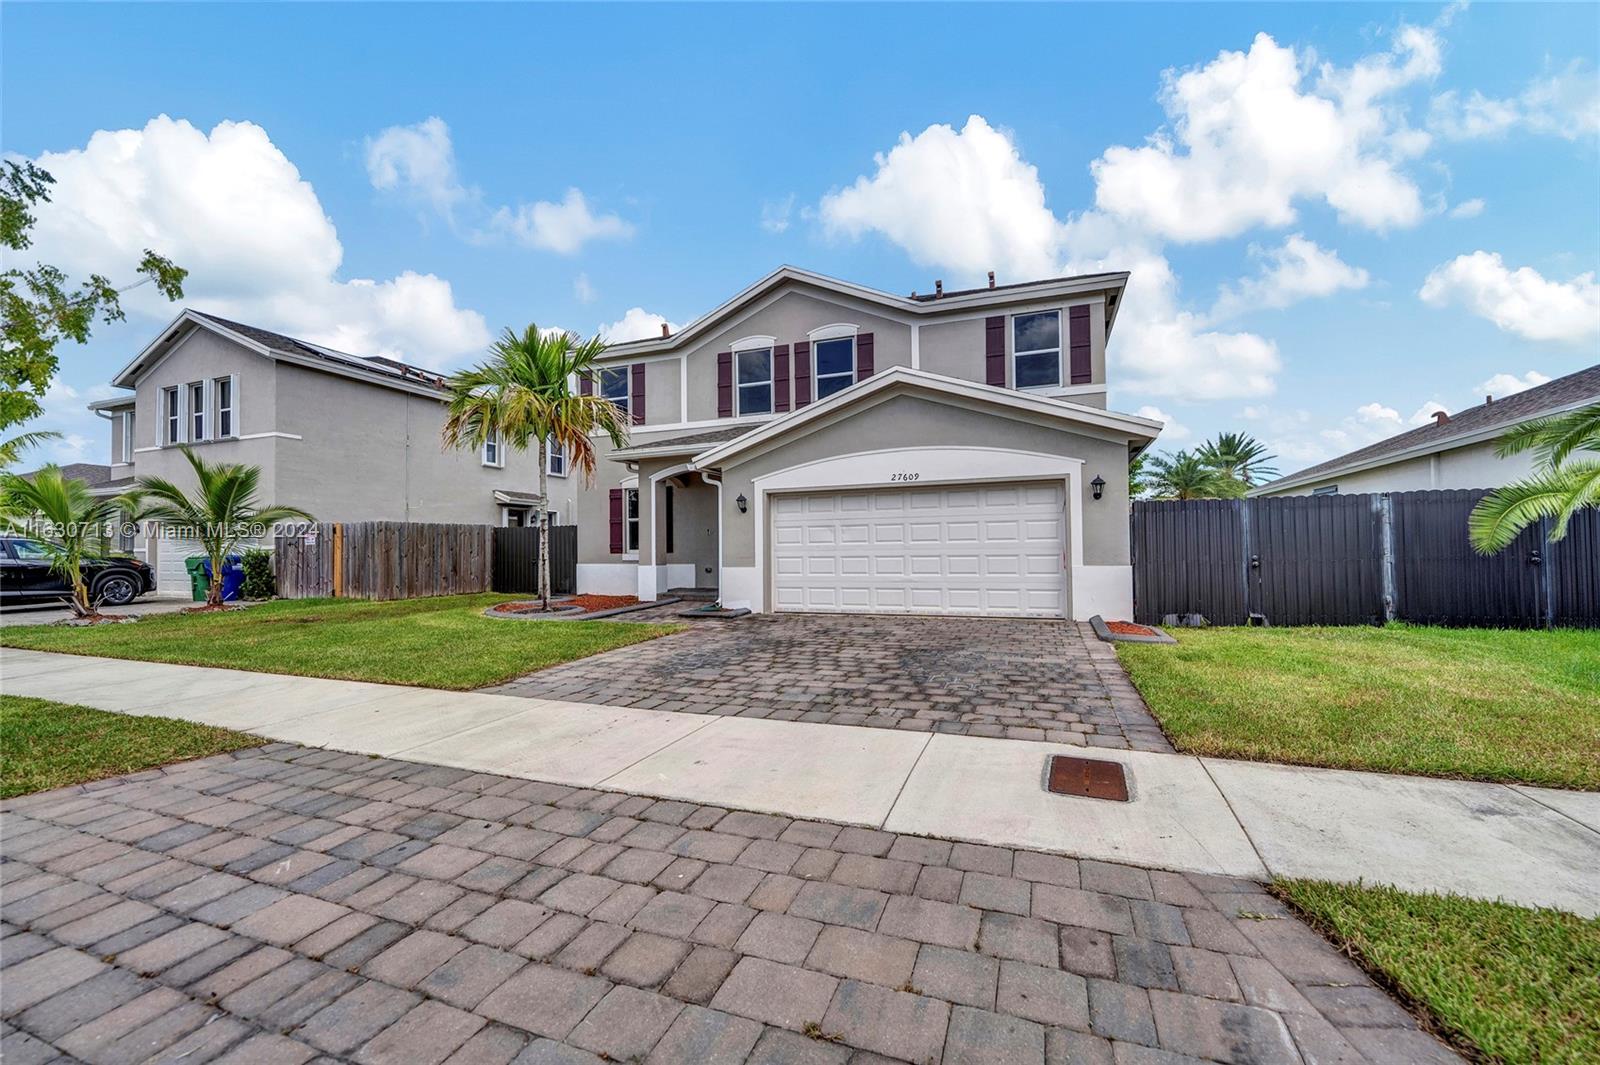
[(913, 421), (1473, 466)]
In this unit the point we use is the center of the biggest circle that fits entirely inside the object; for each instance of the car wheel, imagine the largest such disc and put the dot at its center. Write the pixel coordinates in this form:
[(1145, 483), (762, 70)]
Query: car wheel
[(116, 590)]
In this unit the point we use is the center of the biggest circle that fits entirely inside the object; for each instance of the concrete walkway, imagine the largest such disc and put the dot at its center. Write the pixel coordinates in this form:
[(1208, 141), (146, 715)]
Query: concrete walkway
[(1534, 846)]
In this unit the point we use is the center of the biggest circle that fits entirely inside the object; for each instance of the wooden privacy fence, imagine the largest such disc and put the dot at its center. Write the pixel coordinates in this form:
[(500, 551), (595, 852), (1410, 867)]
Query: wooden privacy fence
[(516, 560), (384, 560), (1357, 559)]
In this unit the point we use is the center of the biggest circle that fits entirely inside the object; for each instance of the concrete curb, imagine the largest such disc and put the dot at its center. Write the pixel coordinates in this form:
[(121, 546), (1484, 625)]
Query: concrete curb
[(1102, 630)]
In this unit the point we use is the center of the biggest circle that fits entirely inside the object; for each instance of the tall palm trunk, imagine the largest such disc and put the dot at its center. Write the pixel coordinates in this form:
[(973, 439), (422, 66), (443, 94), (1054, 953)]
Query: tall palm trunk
[(542, 513)]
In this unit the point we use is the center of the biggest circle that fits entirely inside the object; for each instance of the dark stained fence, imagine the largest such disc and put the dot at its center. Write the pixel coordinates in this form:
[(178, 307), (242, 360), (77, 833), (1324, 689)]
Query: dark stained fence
[(1357, 559), (516, 560), (384, 560)]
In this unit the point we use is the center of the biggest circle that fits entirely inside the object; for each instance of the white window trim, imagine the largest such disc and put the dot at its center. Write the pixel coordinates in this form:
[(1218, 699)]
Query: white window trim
[(1059, 349), (740, 386), (125, 428), (214, 393), (638, 530), (549, 457), (752, 342), (172, 416), (499, 461), (816, 378), (626, 401), (191, 415), (833, 331)]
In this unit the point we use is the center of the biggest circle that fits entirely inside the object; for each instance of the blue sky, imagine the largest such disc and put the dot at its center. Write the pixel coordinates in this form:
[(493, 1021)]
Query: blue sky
[(1336, 215)]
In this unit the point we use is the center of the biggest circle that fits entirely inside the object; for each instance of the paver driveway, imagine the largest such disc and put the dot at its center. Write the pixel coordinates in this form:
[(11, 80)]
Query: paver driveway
[(1036, 680), (287, 903)]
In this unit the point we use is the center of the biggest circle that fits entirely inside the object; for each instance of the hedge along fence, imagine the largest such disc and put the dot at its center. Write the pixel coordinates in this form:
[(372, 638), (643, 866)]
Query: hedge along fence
[(384, 560)]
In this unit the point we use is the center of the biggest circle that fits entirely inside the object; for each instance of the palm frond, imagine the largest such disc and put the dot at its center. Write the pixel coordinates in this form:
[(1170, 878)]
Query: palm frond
[(1499, 517)]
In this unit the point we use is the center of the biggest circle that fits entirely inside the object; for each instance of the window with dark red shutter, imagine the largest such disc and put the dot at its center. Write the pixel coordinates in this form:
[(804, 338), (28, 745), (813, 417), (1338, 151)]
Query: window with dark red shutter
[(863, 356), (1078, 341), (724, 384), (802, 373), (994, 351), (636, 408), (616, 521), (780, 378)]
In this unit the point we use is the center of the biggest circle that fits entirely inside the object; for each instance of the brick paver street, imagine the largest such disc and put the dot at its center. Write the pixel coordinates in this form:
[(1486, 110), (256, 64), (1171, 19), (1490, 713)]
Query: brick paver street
[(289, 904), (1035, 680)]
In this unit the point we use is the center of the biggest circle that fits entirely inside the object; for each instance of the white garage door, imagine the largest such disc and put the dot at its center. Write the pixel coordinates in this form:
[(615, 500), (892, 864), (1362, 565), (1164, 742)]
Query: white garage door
[(171, 576), (978, 549)]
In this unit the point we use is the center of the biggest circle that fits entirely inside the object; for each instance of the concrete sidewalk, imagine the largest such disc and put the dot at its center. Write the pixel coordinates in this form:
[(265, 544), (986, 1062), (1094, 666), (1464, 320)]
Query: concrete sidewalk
[(1534, 846)]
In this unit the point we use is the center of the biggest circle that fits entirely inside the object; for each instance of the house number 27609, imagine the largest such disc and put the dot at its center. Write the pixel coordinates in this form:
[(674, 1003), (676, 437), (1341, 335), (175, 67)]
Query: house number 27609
[(904, 476)]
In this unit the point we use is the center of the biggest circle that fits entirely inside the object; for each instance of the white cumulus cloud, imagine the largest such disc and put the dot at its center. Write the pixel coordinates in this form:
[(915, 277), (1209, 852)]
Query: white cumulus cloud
[(1296, 270), (418, 162), (1564, 104), (1520, 301), (1509, 384), (775, 214), (1467, 209), (636, 324), (1251, 133), (1174, 430), (234, 211)]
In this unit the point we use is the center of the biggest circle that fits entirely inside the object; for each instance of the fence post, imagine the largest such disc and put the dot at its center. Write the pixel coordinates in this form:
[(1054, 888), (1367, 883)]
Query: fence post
[(1546, 578), (1247, 572), (338, 559), (1386, 557)]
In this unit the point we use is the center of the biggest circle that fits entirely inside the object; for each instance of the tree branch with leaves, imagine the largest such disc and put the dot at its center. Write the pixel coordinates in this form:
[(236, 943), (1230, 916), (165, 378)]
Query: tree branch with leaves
[(1565, 480)]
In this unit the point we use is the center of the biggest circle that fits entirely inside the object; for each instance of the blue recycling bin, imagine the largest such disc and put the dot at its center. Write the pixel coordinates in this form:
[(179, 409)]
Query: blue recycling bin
[(232, 577)]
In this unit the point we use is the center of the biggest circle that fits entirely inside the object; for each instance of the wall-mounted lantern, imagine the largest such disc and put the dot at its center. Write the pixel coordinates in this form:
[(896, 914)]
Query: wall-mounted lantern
[(1099, 486), (744, 504)]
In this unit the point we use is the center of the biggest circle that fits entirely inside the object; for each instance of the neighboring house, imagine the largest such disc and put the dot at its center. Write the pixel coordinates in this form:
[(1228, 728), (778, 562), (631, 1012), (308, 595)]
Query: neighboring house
[(810, 445), (1453, 451)]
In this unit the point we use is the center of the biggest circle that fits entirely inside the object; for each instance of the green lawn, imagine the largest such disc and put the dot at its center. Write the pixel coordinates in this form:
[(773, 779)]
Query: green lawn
[(1484, 704), (442, 642), (46, 745), (1518, 985)]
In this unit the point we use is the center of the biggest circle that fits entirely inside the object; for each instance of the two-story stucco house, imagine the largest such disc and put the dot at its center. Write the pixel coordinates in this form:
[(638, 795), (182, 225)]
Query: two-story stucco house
[(809, 445)]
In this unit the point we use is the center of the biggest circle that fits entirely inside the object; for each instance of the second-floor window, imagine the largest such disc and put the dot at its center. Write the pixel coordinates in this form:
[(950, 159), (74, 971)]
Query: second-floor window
[(126, 425), (172, 431), (614, 386), (557, 456), (197, 411), (224, 387), (1036, 350), (491, 449), (836, 365), (754, 381)]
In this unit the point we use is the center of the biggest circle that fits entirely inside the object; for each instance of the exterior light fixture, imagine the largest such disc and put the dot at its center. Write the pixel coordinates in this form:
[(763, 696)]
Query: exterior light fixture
[(744, 504), (1099, 486)]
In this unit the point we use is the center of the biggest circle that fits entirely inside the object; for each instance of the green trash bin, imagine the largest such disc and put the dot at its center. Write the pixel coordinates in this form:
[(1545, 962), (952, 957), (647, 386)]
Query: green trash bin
[(198, 584)]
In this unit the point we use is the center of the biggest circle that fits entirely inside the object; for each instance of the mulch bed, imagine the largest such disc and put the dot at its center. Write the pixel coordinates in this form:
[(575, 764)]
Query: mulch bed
[(1128, 628), (586, 603)]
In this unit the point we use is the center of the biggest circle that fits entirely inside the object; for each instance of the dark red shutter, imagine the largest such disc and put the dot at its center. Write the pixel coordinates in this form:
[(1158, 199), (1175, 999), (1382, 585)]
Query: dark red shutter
[(1078, 338), (724, 384), (780, 378), (863, 356), (616, 521), (802, 373), (994, 351), (636, 400), (585, 385)]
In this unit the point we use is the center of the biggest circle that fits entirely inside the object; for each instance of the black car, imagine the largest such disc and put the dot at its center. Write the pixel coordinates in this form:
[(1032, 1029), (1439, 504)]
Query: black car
[(26, 577)]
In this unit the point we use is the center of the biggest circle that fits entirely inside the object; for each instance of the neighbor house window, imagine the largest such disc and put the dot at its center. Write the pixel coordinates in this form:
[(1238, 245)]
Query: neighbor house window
[(224, 392), (173, 414), (614, 386), (127, 435), (630, 542), (1326, 490), (557, 456), (197, 411), (491, 449), (1036, 349), (836, 365), (755, 381)]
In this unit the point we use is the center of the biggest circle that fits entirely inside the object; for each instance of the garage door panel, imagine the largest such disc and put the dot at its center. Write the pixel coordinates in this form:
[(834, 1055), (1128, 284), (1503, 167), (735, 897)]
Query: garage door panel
[(984, 550)]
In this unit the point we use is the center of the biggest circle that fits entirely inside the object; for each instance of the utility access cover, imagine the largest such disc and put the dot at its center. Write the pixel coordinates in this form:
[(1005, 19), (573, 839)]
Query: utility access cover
[(1093, 778)]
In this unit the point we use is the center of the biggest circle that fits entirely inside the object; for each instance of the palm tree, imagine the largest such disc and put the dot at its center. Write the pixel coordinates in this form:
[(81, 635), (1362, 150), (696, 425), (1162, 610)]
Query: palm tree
[(525, 394), (1186, 475), (1138, 470), (59, 513), (12, 449), (1239, 456), (1565, 479), (222, 513)]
